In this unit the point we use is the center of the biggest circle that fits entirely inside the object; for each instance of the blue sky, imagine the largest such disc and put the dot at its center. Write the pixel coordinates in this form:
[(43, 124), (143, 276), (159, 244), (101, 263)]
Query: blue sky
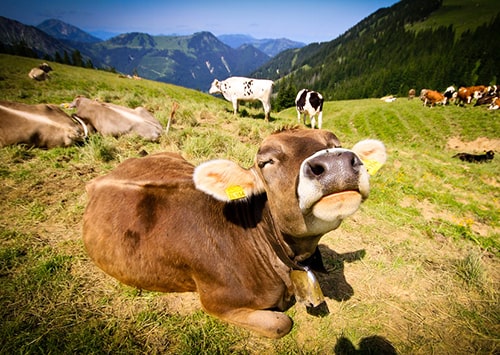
[(305, 21)]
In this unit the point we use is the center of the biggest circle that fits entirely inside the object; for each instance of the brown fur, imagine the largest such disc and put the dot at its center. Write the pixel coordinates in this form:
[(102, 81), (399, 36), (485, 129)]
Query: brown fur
[(110, 119), (466, 94)]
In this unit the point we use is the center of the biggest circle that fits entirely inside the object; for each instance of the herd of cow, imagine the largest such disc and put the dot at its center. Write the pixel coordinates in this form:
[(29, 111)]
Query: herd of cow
[(484, 95), (245, 239)]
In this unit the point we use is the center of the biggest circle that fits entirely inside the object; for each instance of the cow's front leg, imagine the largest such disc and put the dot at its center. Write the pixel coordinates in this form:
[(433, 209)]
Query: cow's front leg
[(235, 106), (267, 109), (320, 119), (270, 324)]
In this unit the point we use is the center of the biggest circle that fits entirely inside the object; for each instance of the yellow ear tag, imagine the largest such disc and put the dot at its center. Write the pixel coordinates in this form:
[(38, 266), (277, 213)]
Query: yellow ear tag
[(372, 166), (235, 192)]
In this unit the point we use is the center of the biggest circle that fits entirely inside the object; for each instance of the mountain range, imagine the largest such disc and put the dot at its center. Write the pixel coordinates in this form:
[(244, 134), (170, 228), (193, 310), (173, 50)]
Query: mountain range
[(411, 44), (191, 61)]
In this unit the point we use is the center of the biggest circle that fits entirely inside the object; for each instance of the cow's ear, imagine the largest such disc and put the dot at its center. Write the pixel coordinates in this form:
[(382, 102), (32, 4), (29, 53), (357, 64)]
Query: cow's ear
[(226, 181), (372, 153)]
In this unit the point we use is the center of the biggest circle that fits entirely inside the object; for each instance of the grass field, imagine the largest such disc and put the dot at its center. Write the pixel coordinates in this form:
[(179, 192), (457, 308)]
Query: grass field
[(415, 270)]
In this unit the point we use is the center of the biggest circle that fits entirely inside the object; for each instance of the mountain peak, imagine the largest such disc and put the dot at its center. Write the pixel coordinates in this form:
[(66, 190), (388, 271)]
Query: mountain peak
[(63, 31)]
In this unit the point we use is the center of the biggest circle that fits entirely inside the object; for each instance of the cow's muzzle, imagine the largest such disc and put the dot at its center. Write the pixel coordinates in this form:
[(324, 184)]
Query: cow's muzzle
[(335, 171), (330, 172)]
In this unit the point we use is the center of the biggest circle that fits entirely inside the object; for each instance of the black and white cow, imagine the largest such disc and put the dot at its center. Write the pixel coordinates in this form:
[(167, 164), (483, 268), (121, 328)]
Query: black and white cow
[(311, 103), (245, 89)]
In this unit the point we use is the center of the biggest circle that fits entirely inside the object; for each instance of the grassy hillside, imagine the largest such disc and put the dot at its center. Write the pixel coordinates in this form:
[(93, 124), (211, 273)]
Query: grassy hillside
[(458, 13), (415, 269)]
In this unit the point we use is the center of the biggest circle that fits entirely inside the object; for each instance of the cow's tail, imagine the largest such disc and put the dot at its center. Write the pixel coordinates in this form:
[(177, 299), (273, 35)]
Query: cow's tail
[(80, 121)]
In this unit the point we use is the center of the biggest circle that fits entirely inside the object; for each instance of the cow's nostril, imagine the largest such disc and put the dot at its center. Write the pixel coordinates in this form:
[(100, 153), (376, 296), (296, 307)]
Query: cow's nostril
[(356, 162), (317, 169)]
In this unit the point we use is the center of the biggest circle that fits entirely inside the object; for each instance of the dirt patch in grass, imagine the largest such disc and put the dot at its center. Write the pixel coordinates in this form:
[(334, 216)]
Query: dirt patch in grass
[(479, 145)]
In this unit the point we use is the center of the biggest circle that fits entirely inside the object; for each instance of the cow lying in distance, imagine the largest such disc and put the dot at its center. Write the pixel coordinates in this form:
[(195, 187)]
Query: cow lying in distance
[(475, 158), (42, 125), (495, 104), (237, 88), (310, 103), (115, 120), (232, 234), (41, 72), (492, 92)]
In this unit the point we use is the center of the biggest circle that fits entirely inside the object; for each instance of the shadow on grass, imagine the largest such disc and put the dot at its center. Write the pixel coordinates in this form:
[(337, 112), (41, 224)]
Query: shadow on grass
[(334, 284), (374, 345)]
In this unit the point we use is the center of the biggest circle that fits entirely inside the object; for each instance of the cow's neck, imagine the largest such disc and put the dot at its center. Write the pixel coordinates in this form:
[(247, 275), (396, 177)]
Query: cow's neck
[(302, 248)]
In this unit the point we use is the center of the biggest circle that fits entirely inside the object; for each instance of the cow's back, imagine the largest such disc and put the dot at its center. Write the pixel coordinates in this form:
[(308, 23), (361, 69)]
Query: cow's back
[(42, 125)]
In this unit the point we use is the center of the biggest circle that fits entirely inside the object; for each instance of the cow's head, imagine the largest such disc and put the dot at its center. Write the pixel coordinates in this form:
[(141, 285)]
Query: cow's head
[(311, 183), (215, 87), (45, 67)]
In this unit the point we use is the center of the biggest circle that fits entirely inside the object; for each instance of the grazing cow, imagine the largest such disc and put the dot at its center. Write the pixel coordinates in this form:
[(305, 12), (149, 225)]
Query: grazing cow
[(411, 94), (233, 235), (432, 98), (495, 104), (238, 88), (310, 103), (114, 120), (449, 94), (41, 72), (466, 94), (42, 125), (475, 158)]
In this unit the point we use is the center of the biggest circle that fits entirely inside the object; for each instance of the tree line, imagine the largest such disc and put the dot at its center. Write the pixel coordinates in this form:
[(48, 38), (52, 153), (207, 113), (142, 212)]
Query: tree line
[(73, 58)]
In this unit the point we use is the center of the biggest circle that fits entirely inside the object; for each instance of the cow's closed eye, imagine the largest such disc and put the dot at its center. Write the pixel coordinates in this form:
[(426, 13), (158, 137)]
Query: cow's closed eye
[(263, 163)]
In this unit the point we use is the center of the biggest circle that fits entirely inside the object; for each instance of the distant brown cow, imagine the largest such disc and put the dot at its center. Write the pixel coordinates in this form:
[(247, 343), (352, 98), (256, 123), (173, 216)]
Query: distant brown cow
[(234, 235), (432, 98), (41, 72), (466, 94), (115, 120), (42, 125), (411, 94)]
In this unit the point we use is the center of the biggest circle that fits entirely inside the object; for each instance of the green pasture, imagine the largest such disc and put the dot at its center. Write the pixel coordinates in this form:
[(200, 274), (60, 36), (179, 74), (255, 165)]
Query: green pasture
[(415, 271)]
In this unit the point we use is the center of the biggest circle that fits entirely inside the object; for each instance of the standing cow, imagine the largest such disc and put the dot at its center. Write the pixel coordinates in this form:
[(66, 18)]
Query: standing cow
[(233, 235), (310, 103), (466, 94), (42, 125), (115, 120), (432, 97), (238, 88)]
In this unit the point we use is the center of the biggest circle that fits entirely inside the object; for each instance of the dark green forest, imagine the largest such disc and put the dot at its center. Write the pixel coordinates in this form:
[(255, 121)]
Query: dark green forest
[(381, 56)]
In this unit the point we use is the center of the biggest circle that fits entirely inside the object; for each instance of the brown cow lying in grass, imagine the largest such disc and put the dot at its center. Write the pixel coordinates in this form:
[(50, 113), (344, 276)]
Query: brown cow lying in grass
[(115, 120), (41, 72), (233, 235), (43, 125)]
